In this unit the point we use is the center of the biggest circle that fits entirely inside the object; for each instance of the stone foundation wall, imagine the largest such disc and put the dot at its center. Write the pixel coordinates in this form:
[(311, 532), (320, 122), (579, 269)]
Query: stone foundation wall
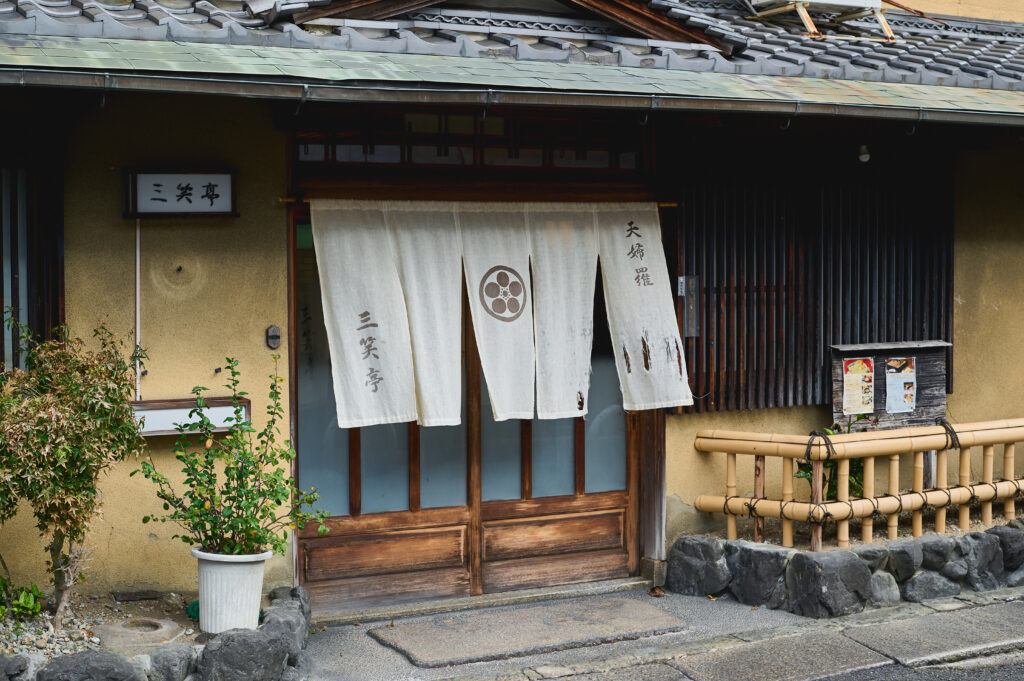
[(833, 583), (273, 652)]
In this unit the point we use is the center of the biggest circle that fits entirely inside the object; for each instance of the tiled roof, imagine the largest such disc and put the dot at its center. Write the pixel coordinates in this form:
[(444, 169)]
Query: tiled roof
[(314, 73), (971, 54)]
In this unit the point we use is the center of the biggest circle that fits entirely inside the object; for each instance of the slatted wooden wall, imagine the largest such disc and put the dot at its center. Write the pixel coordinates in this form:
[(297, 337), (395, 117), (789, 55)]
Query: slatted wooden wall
[(786, 271)]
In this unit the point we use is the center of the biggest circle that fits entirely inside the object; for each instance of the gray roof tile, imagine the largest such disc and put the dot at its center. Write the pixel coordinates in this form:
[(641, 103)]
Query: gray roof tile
[(964, 53)]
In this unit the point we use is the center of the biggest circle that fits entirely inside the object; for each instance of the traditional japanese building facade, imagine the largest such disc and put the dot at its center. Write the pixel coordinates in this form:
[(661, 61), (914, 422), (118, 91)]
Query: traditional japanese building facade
[(747, 137)]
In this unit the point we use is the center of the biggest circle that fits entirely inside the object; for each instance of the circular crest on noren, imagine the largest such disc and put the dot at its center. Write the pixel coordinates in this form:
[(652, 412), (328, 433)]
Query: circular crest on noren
[(503, 293)]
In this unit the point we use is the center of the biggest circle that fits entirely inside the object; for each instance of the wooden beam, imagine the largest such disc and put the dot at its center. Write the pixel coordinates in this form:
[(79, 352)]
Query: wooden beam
[(640, 18), (371, 10)]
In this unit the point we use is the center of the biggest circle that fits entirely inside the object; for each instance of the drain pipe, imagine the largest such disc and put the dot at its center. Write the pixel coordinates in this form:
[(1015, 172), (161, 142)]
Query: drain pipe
[(138, 305)]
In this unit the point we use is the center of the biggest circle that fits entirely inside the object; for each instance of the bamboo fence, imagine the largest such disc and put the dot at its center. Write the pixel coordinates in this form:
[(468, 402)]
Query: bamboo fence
[(890, 445)]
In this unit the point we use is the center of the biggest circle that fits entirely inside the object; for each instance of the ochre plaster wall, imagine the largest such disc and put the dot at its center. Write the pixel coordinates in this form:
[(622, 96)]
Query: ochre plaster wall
[(230, 287), (1001, 10)]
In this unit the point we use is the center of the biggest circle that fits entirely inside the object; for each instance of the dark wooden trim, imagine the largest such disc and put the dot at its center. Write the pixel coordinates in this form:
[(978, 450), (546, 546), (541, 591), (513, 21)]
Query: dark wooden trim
[(474, 452), (414, 467), (388, 522), (524, 508), (526, 458), (371, 10), (299, 575), (635, 441), (355, 487), (637, 16), (652, 487), (439, 186), (178, 403), (579, 455)]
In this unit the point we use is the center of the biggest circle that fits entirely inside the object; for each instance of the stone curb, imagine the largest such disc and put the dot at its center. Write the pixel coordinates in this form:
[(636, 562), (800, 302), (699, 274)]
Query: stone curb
[(275, 651), (675, 652)]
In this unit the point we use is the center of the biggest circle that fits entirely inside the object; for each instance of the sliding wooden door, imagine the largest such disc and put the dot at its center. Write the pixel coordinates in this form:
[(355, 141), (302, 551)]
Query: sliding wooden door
[(486, 506)]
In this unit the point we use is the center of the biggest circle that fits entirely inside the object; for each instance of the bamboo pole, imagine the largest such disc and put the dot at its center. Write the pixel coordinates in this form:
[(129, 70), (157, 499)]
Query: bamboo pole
[(759, 494), (965, 479), (867, 526), (730, 491), (988, 457), (843, 494), (1009, 507), (894, 490), (918, 487), (859, 508), (912, 440), (941, 483), (816, 498), (787, 495)]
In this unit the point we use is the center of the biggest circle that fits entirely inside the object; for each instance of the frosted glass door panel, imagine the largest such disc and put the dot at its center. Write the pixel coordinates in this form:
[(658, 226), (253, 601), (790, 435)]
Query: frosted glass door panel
[(500, 467), (605, 430), (443, 463), (323, 447), (554, 471), (384, 455)]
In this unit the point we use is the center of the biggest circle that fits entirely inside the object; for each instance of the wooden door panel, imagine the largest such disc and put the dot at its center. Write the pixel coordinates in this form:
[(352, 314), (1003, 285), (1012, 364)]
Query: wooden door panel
[(549, 535), (390, 552), (538, 571), (340, 595)]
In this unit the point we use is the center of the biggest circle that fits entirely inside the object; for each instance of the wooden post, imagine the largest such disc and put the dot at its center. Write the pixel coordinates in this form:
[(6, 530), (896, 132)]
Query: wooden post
[(940, 483), (843, 494), (894, 489), (758, 494), (988, 457), (730, 491), (1009, 508), (918, 487), (787, 495), (965, 479), (867, 525), (817, 493)]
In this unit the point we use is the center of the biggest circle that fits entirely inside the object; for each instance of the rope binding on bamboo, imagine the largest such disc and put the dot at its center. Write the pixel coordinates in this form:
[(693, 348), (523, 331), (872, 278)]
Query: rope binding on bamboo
[(830, 449), (952, 439)]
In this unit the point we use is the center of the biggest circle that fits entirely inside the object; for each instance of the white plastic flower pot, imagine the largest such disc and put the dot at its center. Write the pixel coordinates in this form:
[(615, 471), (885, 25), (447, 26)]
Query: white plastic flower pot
[(230, 590)]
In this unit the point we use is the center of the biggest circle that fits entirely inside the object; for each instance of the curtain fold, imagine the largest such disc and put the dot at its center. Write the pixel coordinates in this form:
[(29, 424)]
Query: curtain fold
[(641, 317), (364, 312), (564, 264), (429, 258), (496, 257)]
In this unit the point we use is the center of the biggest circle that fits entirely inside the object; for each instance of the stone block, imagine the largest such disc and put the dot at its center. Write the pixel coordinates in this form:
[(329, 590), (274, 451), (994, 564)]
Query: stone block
[(172, 662), (1011, 541), (244, 655), (936, 551), (12, 666), (91, 665), (827, 584), (884, 590), (284, 619), (984, 560), (905, 557), (927, 585), (697, 566), (955, 570), (1015, 578), (873, 555), (758, 574)]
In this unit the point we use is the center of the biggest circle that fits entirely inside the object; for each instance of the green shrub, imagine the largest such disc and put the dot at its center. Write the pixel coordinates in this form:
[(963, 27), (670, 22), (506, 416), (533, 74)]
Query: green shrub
[(247, 508)]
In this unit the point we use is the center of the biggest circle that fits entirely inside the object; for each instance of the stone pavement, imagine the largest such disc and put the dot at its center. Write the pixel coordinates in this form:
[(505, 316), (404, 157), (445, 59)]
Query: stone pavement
[(722, 640)]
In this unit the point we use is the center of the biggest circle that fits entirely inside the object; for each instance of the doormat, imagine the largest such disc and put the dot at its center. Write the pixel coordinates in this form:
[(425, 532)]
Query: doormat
[(479, 636)]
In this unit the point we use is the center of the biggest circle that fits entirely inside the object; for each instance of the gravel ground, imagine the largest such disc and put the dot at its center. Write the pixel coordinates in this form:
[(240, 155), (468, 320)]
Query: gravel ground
[(37, 637)]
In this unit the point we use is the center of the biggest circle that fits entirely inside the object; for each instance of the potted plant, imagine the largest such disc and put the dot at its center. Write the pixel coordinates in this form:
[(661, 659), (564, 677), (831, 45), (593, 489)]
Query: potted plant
[(237, 505)]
